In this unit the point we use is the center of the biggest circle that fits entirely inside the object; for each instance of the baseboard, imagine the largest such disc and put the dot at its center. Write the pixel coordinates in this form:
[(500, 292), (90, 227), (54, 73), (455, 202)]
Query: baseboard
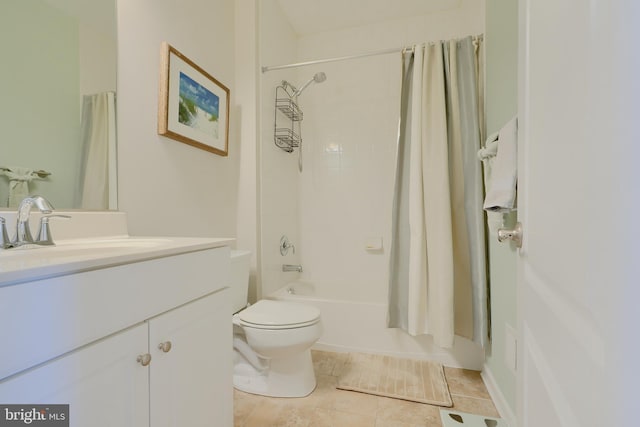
[(498, 398)]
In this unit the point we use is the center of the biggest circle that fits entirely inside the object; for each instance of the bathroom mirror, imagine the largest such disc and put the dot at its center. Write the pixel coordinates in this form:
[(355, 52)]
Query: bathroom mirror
[(57, 110)]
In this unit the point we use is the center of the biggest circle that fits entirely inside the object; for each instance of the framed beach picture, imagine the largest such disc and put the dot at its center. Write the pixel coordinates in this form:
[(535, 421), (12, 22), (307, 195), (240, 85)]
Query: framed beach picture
[(194, 106)]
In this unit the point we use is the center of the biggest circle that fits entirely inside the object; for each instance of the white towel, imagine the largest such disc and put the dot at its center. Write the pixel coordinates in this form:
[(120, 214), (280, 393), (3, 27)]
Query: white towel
[(19, 179), (495, 220), (488, 153), (501, 193)]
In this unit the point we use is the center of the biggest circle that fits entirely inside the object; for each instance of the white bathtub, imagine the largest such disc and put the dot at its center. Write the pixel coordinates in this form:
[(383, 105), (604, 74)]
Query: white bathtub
[(361, 327)]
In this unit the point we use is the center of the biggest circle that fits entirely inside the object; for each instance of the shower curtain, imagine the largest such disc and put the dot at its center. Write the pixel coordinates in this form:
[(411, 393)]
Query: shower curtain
[(438, 275), (98, 127)]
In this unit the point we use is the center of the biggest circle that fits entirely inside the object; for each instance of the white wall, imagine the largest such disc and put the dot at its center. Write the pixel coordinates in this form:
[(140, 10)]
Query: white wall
[(279, 169), (167, 187), (247, 98), (98, 59), (501, 105)]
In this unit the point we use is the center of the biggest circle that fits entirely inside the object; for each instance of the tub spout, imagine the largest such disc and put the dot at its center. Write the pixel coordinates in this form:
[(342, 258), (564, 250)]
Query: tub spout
[(291, 267)]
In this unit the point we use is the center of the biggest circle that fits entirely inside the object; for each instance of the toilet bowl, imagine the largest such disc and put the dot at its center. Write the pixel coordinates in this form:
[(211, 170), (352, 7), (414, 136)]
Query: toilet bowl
[(271, 341), (276, 360)]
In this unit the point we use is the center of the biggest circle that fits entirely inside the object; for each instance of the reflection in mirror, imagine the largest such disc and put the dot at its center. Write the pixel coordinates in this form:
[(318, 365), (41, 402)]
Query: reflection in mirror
[(57, 109)]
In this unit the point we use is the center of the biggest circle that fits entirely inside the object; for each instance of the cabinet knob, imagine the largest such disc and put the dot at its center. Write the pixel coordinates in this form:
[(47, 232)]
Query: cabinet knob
[(165, 346), (144, 359)]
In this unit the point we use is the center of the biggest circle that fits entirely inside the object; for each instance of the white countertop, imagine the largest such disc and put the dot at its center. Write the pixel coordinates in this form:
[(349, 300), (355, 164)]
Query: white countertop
[(18, 265)]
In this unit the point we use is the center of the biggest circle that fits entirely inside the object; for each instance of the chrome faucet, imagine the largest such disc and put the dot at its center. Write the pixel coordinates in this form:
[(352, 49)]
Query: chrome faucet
[(23, 233), (290, 267)]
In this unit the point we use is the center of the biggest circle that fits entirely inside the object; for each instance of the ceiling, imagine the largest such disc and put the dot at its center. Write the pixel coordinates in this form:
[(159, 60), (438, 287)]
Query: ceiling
[(316, 16)]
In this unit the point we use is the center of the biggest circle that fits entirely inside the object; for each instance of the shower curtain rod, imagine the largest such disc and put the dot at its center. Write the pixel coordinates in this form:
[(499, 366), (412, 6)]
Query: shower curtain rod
[(340, 58)]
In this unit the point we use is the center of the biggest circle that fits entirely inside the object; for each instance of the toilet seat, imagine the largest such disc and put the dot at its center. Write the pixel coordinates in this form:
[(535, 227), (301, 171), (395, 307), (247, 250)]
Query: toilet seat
[(272, 314)]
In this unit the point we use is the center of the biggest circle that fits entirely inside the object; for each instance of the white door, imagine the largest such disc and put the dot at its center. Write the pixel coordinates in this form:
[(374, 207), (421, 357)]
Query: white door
[(579, 197), (102, 383), (191, 380)]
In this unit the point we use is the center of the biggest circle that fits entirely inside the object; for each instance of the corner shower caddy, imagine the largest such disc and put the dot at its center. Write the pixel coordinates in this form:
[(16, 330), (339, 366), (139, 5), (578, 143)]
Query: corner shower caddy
[(287, 136)]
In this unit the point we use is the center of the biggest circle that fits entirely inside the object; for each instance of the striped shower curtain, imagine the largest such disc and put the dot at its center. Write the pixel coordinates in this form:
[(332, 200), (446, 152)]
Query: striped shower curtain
[(438, 273)]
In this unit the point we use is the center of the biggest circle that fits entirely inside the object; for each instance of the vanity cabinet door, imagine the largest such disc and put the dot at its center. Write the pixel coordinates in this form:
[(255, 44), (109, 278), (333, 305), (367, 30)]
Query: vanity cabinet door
[(191, 372), (102, 382)]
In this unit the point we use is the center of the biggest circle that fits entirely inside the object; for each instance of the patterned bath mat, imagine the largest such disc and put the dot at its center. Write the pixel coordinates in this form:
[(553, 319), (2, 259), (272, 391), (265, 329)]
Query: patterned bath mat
[(460, 419), (416, 380)]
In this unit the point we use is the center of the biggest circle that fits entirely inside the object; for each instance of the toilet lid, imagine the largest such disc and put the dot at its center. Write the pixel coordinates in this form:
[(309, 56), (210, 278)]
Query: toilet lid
[(271, 314)]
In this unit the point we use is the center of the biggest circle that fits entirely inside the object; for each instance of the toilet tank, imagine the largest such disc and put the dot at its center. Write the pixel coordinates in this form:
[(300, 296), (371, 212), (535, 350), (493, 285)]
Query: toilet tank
[(239, 278)]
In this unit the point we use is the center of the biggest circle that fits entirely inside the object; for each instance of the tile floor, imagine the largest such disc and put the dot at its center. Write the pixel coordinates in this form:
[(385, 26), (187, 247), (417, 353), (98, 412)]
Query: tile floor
[(330, 407)]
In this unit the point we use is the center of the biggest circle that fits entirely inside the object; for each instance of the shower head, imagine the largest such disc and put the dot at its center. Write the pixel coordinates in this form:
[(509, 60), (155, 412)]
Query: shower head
[(317, 77)]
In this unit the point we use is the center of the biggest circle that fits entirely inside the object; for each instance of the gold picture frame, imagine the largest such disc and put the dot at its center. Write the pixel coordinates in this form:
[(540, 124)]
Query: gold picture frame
[(193, 106)]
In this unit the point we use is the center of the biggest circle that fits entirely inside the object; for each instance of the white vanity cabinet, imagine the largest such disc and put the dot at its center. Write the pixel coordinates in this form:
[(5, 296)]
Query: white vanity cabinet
[(77, 339)]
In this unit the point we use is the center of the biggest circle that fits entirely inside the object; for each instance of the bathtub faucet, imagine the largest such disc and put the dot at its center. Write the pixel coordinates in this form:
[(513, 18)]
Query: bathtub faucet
[(291, 267)]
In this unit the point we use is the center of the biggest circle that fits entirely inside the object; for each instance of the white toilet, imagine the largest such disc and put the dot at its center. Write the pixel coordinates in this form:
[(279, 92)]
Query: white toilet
[(271, 340)]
